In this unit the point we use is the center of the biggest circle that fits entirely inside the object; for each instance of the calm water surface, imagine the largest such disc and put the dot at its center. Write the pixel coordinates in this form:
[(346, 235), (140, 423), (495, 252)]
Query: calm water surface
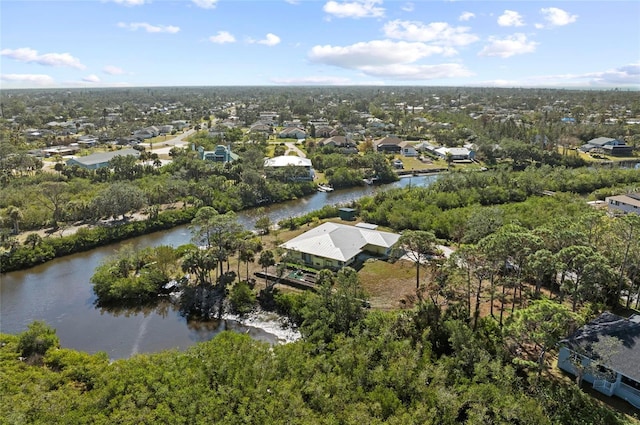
[(59, 292)]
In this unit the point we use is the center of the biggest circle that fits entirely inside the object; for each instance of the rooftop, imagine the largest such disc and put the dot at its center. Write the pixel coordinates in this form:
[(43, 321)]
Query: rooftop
[(286, 160), (99, 158), (627, 360), (339, 241)]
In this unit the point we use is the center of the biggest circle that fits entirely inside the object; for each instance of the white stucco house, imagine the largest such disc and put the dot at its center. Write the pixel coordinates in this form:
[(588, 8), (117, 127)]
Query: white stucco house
[(334, 245), (302, 166)]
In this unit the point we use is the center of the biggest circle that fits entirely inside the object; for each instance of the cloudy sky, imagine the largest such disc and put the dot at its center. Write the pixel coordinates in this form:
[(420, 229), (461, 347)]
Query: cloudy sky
[(106, 43)]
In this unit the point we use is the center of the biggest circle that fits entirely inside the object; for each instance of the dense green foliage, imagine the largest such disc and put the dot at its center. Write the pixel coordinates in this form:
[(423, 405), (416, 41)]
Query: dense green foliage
[(424, 364), (134, 276), (391, 369), (445, 206), (84, 239)]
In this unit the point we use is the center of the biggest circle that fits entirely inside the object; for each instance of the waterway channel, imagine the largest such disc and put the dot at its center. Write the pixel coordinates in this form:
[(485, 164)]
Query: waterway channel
[(59, 292)]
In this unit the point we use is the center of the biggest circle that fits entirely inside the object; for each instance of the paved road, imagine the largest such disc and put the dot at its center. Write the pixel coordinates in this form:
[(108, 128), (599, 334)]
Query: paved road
[(292, 147), (179, 139)]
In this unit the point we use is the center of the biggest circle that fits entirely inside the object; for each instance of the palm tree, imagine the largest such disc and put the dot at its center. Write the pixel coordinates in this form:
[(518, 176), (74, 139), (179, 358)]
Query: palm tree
[(15, 215), (33, 240)]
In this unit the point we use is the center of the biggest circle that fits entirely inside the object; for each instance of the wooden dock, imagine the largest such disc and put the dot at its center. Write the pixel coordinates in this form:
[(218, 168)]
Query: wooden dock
[(285, 280)]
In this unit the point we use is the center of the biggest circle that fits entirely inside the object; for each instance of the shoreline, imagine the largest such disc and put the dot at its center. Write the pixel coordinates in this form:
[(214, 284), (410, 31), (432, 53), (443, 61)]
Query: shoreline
[(270, 322)]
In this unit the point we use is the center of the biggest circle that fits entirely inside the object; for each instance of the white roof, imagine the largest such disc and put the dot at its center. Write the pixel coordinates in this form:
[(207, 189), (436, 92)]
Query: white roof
[(453, 151), (285, 160), (339, 241)]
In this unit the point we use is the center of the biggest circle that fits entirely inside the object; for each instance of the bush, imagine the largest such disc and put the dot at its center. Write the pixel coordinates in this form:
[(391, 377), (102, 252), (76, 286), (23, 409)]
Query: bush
[(242, 298), (37, 339)]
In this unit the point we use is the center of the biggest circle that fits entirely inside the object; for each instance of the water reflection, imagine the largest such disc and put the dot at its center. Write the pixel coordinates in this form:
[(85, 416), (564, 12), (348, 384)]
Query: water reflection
[(60, 293)]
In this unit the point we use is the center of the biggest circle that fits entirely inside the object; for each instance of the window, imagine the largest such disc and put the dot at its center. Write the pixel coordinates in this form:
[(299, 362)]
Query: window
[(630, 382)]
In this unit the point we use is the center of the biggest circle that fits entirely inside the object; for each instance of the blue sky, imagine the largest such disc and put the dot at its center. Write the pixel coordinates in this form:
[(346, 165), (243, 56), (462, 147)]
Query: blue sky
[(114, 43)]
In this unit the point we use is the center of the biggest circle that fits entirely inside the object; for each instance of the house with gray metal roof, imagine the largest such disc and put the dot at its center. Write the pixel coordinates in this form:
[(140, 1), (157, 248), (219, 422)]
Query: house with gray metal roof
[(608, 146), (99, 160), (618, 370), (335, 245)]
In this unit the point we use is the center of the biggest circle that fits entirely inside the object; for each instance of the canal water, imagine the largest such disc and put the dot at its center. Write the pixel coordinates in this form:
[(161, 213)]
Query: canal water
[(59, 292)]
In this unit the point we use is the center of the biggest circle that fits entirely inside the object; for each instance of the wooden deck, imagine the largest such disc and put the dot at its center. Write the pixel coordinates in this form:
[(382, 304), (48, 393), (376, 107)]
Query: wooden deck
[(306, 281)]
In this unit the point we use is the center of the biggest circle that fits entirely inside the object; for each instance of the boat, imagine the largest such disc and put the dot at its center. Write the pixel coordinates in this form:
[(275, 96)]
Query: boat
[(370, 180), (324, 188)]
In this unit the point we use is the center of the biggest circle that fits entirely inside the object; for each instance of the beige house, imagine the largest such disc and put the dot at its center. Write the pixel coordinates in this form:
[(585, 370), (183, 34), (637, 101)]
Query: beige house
[(334, 245)]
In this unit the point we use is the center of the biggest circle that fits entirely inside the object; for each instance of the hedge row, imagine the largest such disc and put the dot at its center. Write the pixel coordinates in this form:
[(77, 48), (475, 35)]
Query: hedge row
[(85, 239)]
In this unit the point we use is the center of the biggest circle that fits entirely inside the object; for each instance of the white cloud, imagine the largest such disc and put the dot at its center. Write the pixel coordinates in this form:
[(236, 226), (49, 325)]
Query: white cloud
[(35, 79), (466, 16), (515, 44), (628, 76), (556, 17), (134, 26), (130, 2), (313, 80), (205, 4), (294, 2), (388, 59), (418, 72), (354, 9), (408, 7), (436, 32), (93, 78), (372, 53), (624, 75), (510, 18), (26, 54), (113, 70), (270, 40), (222, 37)]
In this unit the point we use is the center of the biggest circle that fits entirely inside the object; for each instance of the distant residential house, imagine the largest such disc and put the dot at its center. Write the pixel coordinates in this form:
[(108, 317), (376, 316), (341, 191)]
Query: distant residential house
[(333, 245), (375, 123), (269, 116), (179, 124), (326, 131), (408, 149), (99, 160), (60, 150), (629, 203), (260, 127), (456, 154), (165, 129), (292, 133), (423, 146), (301, 167), (318, 122), (147, 133), (33, 134), (220, 154), (619, 373), (153, 130), (608, 146), (293, 123), (217, 131), (390, 144), (130, 140), (87, 141), (337, 142)]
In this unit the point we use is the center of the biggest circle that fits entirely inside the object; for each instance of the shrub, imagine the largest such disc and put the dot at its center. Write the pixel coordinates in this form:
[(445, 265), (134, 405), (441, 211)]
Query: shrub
[(242, 298), (37, 339)]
